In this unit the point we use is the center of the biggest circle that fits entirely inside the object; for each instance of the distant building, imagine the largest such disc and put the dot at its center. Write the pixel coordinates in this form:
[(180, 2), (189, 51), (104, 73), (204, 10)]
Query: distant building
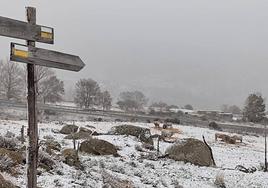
[(185, 111), (216, 115), (226, 116)]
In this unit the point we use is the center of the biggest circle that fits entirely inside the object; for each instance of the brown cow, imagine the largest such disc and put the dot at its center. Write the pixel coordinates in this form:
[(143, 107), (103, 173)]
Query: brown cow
[(237, 137), (156, 124), (167, 125), (228, 139)]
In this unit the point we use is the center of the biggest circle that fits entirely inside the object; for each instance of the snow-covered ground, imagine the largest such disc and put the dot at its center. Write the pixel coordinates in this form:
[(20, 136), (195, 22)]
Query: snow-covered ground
[(147, 173)]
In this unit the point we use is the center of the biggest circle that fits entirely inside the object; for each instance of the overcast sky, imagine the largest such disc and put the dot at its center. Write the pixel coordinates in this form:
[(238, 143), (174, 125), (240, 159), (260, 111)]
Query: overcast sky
[(203, 52)]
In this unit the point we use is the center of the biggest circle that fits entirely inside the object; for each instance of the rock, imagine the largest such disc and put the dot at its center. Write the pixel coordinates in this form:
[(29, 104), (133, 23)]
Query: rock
[(71, 157), (115, 182), (190, 150), (6, 184), (98, 147), (82, 134), (143, 134), (68, 129), (82, 129)]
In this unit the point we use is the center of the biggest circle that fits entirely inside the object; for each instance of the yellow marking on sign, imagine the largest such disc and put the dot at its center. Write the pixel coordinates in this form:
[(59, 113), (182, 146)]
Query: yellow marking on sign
[(46, 35), (21, 53)]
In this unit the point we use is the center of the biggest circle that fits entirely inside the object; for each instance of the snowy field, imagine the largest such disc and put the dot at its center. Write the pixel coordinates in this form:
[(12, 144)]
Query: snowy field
[(148, 173)]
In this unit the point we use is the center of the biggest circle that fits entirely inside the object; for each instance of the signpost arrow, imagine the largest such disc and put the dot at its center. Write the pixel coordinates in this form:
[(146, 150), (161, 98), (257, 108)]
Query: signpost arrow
[(23, 30), (43, 57)]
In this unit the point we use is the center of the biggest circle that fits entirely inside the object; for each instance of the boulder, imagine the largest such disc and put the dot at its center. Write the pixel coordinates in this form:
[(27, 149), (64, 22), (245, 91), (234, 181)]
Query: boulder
[(98, 147), (191, 150), (82, 134), (6, 184), (71, 157), (68, 129), (143, 134)]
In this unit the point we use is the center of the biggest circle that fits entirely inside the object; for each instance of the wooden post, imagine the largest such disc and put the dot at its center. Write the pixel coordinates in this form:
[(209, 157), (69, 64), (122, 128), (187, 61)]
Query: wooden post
[(22, 134), (265, 149), (158, 140), (32, 115)]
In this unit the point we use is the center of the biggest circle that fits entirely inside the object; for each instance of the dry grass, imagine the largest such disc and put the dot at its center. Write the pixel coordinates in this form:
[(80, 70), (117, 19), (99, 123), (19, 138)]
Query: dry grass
[(219, 181)]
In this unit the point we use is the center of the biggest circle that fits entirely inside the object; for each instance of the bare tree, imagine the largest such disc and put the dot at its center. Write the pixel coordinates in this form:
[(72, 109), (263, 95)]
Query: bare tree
[(132, 101), (51, 89), (42, 74), (105, 100), (86, 93), (11, 80)]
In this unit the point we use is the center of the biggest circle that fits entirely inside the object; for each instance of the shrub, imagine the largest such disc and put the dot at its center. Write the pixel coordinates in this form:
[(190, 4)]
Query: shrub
[(5, 163), (173, 120), (214, 125), (45, 161), (219, 181), (8, 143)]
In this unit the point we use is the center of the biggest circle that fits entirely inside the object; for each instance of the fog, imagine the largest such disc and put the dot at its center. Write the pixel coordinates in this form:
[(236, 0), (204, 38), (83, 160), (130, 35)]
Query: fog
[(203, 52)]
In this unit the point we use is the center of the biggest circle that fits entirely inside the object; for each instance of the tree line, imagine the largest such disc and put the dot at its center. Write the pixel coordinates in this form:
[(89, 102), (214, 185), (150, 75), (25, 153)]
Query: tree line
[(88, 94), (50, 89)]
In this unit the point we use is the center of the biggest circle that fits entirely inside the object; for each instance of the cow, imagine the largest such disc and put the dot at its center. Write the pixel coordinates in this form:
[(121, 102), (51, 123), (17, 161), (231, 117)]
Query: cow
[(167, 125), (228, 139)]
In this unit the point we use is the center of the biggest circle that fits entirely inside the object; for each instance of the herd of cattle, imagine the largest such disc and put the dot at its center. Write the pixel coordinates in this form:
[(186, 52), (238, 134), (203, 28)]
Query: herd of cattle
[(171, 134)]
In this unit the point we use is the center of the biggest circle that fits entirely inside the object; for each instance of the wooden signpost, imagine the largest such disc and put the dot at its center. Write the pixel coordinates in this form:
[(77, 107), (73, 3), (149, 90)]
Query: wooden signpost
[(23, 30), (31, 55), (43, 57)]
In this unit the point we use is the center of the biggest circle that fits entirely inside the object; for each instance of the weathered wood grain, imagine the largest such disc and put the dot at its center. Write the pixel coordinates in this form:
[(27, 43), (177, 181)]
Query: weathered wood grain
[(32, 132), (23, 30), (49, 58)]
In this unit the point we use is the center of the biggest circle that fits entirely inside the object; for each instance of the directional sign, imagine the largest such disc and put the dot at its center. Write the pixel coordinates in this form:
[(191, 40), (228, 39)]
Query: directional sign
[(43, 57), (23, 30)]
